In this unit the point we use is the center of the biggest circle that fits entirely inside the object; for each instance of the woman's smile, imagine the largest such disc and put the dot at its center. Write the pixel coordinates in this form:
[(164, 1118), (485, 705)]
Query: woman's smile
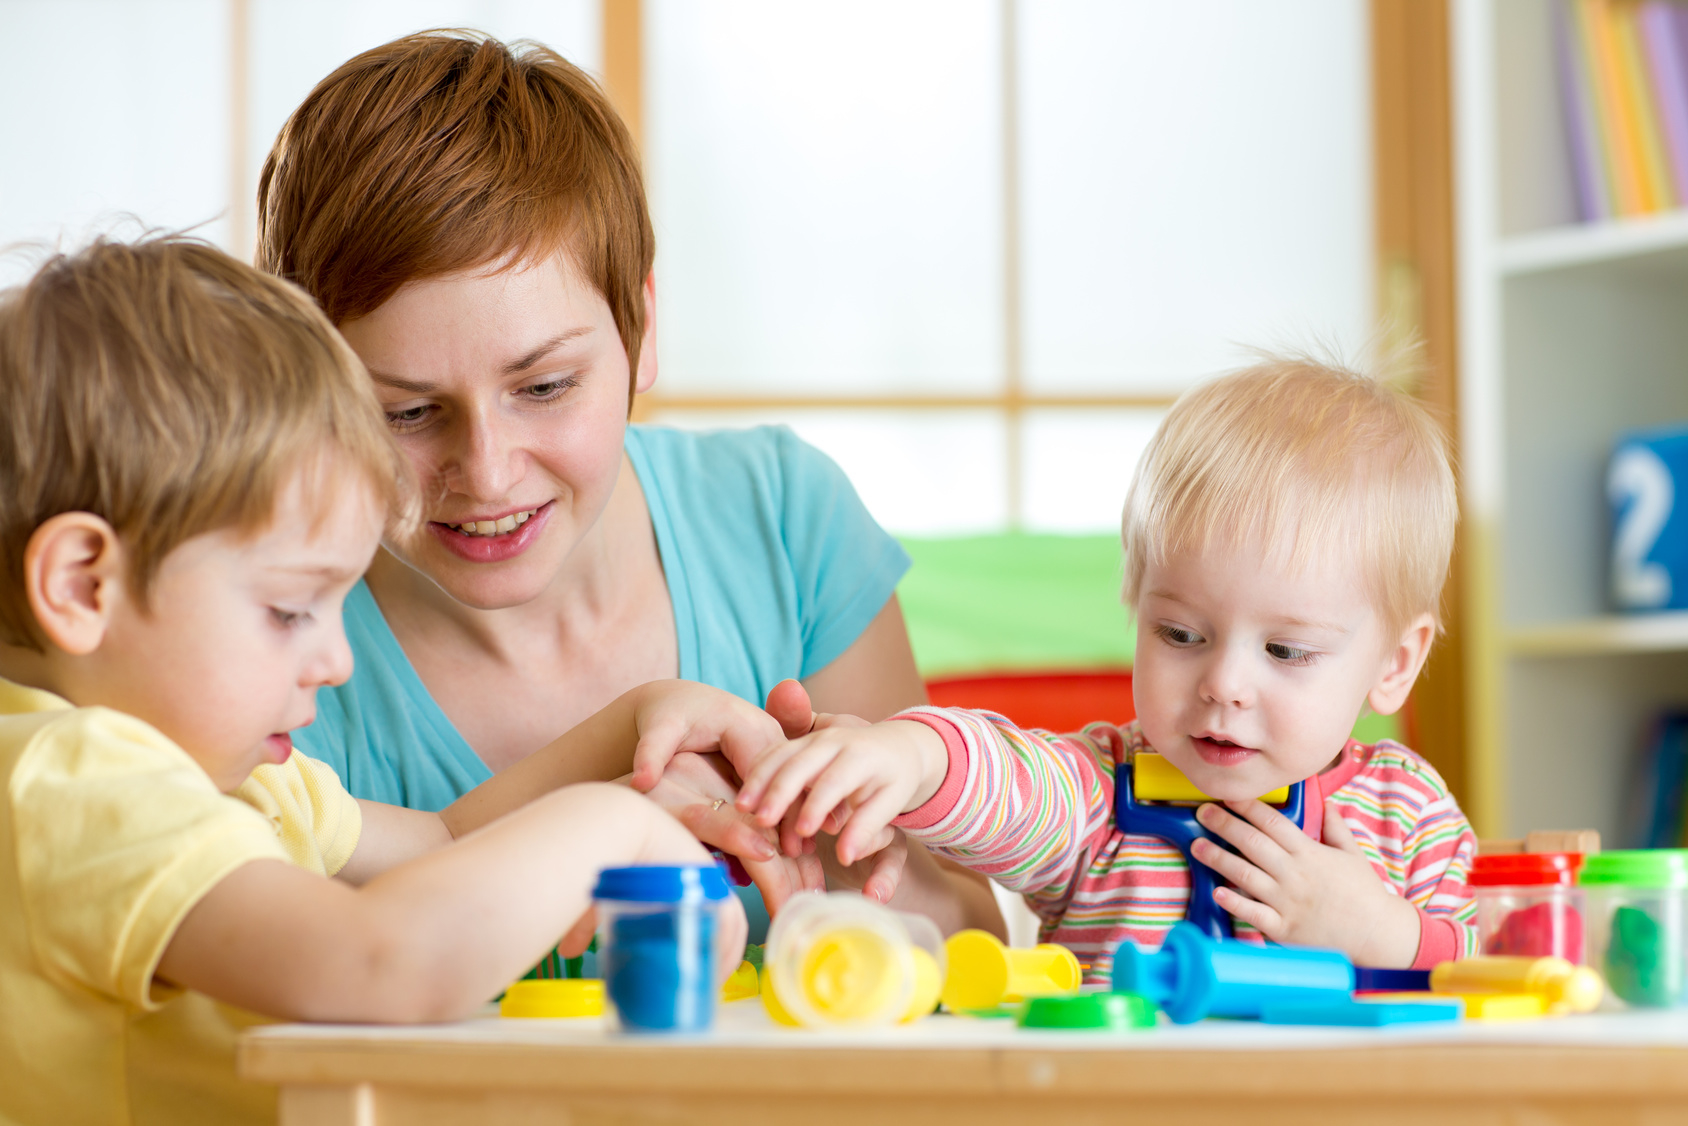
[(493, 541)]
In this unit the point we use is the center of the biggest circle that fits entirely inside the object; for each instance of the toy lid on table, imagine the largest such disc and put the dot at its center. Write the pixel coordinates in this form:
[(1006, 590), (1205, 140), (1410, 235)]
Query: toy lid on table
[(1637, 867), (1525, 869), (662, 883)]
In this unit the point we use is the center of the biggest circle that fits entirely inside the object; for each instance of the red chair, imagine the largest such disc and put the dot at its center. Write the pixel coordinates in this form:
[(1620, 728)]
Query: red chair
[(1056, 701)]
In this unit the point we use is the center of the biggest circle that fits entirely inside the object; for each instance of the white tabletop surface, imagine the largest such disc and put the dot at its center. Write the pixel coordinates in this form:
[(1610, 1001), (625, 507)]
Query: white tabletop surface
[(744, 1024)]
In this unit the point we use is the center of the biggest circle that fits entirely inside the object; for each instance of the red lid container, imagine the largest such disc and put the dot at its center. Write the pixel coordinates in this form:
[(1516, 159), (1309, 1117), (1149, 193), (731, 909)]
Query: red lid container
[(1524, 869)]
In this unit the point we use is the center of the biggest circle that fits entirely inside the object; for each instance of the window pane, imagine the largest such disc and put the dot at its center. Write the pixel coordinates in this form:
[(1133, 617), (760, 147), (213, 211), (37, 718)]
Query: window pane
[(919, 472), (825, 179), (112, 109), (1195, 175), (1078, 465)]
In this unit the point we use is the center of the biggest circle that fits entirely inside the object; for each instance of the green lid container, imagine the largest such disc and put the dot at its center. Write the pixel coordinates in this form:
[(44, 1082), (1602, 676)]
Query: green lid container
[(1110, 1012), (1636, 868)]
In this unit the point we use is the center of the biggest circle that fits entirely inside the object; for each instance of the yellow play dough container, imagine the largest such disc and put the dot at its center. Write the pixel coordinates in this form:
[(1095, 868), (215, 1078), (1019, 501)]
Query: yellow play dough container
[(841, 961)]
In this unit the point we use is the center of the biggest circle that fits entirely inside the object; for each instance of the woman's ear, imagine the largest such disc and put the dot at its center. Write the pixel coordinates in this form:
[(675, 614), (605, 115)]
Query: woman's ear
[(73, 574), (645, 378), (1402, 665)]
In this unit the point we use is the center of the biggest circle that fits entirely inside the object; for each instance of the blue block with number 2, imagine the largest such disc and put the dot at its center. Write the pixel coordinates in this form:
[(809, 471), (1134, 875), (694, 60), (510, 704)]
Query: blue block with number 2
[(1649, 564)]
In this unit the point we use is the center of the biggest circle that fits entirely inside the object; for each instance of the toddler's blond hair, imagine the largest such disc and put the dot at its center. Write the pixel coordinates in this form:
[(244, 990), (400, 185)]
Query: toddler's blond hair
[(173, 391), (1303, 459)]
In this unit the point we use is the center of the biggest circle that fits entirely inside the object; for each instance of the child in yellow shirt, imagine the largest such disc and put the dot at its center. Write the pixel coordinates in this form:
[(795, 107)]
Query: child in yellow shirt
[(193, 472)]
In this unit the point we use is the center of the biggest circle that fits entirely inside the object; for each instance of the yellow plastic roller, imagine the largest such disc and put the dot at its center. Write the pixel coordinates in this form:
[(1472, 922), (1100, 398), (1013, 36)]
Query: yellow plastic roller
[(1158, 780), (983, 973)]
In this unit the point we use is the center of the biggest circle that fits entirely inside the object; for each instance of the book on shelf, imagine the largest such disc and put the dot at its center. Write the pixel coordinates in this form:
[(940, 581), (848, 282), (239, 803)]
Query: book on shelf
[(1623, 76), (1657, 803)]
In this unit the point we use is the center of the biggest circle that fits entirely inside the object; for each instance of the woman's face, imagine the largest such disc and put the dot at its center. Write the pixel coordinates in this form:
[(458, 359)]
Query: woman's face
[(508, 391)]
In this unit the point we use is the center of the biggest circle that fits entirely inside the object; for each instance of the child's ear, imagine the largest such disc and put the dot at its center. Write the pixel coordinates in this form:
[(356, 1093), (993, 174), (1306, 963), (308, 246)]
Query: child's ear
[(1402, 666), (73, 574), (645, 378)]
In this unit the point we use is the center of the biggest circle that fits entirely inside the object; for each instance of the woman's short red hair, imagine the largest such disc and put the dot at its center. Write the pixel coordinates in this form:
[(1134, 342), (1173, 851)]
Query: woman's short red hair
[(445, 151)]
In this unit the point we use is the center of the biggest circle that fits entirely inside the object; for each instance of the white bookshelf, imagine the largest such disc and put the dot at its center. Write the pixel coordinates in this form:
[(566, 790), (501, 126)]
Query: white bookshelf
[(1570, 334)]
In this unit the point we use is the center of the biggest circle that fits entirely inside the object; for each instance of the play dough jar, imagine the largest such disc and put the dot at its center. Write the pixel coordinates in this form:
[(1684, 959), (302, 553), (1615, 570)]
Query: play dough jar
[(842, 961), (656, 944), (1528, 904), (1636, 924)]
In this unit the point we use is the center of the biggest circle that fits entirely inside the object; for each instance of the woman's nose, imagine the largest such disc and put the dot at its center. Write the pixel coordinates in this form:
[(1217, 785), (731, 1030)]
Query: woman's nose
[(487, 463)]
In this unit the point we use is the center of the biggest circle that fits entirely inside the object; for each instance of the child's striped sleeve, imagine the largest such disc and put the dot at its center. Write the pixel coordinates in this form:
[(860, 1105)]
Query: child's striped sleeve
[(1026, 808)]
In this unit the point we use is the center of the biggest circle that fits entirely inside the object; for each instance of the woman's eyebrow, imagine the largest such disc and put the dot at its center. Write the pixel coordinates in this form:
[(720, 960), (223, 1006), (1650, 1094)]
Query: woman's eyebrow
[(532, 357)]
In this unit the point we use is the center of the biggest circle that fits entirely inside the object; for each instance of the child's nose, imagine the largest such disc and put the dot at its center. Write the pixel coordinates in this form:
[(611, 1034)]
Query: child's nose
[(331, 664), (1225, 680)]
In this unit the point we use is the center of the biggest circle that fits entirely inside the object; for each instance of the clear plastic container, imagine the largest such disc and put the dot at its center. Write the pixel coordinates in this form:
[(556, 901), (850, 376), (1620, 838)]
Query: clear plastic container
[(841, 961), (1528, 904), (1637, 933), (656, 944)]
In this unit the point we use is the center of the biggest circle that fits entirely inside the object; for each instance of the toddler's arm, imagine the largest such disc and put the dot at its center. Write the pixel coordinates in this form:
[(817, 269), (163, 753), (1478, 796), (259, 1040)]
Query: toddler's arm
[(1020, 806), (433, 938)]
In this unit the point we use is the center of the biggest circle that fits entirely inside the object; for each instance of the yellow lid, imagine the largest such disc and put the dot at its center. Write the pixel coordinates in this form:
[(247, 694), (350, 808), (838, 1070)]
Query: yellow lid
[(554, 997), (771, 1002), (1153, 778), (928, 984)]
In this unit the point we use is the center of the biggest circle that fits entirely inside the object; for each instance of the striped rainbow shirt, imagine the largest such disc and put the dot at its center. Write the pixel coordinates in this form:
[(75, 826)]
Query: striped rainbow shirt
[(1034, 811)]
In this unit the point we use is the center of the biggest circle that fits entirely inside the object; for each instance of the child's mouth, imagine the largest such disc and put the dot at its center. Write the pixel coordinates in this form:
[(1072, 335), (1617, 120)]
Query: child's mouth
[(1221, 752)]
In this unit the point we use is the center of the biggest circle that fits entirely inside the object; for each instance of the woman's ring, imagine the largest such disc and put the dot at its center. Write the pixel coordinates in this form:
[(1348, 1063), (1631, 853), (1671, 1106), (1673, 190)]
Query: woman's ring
[(719, 802)]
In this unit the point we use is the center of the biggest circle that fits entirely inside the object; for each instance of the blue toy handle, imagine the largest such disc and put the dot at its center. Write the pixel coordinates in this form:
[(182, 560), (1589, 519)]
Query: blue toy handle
[(1177, 825)]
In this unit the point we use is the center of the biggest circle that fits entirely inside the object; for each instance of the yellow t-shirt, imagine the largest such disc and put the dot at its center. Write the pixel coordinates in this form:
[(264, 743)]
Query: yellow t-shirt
[(109, 834)]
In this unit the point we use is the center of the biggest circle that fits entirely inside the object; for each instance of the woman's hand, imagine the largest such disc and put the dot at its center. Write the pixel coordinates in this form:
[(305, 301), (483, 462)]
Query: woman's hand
[(672, 717), (694, 789)]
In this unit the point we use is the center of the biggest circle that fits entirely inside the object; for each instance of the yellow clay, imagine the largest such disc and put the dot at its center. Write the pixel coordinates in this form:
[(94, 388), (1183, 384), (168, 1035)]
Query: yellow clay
[(850, 974), (983, 973), (1564, 988), (743, 983), (1155, 779)]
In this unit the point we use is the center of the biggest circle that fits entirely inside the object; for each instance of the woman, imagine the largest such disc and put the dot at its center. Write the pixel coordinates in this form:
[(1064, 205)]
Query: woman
[(475, 223)]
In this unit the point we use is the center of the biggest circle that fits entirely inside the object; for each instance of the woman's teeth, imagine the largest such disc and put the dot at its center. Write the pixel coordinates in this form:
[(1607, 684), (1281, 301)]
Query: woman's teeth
[(494, 527)]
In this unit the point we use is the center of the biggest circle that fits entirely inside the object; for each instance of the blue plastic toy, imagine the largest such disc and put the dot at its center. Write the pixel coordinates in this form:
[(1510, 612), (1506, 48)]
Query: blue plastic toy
[(1176, 824), (1193, 976), (1369, 980), (1362, 1014), (1649, 567), (657, 943)]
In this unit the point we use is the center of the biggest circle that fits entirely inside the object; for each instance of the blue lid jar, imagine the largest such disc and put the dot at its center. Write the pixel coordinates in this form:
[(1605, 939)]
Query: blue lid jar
[(662, 883)]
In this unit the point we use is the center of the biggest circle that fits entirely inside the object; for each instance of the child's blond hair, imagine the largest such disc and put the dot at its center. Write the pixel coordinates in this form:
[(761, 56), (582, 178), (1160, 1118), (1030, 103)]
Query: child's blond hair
[(172, 391), (1305, 460)]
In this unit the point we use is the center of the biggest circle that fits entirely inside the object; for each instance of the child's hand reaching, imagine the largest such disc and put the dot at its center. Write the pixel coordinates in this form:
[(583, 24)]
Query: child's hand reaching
[(857, 780), (1296, 890)]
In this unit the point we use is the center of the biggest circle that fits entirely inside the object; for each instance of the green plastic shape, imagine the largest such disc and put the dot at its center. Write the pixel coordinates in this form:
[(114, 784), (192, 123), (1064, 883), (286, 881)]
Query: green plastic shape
[(1102, 1012), (1641, 966)]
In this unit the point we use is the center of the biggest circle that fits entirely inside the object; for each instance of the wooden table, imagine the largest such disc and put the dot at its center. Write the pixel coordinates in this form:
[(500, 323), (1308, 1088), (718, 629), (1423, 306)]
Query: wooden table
[(1592, 1069)]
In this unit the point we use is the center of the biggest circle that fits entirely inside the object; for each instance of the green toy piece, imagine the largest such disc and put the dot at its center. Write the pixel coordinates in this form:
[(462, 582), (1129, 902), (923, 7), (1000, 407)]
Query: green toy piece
[(1106, 1012), (753, 954), (1641, 967)]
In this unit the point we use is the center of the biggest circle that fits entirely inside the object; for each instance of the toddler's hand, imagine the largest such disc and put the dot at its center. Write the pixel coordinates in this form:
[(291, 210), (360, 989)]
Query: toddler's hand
[(675, 716), (1295, 890), (857, 778)]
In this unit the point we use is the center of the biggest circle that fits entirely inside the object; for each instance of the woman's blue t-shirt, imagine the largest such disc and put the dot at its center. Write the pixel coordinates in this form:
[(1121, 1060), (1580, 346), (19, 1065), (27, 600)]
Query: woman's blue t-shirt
[(773, 565)]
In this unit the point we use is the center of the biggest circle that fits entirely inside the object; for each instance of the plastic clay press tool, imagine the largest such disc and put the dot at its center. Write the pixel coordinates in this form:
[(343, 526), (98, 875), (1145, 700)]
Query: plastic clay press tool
[(1152, 798)]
